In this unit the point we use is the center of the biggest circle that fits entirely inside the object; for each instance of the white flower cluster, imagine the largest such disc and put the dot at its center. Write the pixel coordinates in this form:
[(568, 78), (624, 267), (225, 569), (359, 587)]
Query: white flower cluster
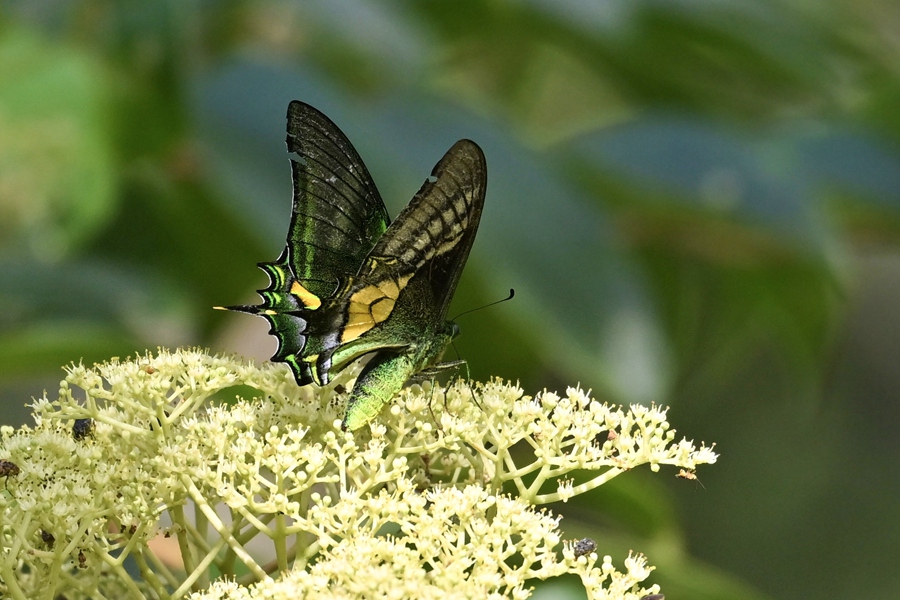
[(443, 544), (270, 489)]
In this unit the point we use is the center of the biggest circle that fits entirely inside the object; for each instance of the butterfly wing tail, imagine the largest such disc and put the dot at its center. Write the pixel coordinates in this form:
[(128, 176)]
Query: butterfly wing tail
[(285, 311)]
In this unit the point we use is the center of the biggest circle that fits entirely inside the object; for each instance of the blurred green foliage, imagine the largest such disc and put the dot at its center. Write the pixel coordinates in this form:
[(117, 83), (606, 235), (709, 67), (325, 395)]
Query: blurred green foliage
[(698, 204)]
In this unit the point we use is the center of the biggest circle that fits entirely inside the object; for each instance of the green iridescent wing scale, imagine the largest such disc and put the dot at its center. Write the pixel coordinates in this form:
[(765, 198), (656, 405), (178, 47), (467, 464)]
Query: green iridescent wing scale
[(338, 214)]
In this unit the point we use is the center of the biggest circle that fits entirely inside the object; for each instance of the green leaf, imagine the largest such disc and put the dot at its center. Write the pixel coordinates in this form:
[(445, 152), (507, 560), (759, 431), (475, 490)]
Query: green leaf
[(57, 176)]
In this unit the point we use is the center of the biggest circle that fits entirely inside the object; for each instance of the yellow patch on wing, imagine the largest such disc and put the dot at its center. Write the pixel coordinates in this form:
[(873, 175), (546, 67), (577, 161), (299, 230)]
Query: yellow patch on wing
[(370, 306), (309, 300), (390, 288)]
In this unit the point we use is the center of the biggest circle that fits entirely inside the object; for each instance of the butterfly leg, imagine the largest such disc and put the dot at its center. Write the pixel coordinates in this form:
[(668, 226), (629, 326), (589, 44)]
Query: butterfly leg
[(431, 404), (434, 371), (469, 385), (429, 374)]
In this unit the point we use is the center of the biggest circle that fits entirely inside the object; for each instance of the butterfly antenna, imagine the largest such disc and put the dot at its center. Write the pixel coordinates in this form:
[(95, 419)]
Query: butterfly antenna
[(512, 294)]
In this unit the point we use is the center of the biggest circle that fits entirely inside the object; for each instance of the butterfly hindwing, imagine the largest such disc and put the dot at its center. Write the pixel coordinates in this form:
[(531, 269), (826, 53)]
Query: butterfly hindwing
[(337, 216)]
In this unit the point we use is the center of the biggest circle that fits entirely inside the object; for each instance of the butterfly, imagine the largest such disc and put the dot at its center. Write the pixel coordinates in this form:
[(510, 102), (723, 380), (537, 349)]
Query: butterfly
[(351, 283)]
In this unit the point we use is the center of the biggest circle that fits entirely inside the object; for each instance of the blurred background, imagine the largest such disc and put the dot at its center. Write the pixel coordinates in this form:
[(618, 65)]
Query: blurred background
[(697, 202)]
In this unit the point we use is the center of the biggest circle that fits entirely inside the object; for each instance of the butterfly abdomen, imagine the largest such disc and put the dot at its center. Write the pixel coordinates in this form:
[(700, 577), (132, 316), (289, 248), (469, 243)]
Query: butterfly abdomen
[(386, 372)]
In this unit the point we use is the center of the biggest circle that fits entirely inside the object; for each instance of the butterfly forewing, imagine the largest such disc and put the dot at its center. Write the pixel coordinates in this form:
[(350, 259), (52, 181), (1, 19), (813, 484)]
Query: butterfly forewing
[(403, 288), (434, 233), (337, 214)]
